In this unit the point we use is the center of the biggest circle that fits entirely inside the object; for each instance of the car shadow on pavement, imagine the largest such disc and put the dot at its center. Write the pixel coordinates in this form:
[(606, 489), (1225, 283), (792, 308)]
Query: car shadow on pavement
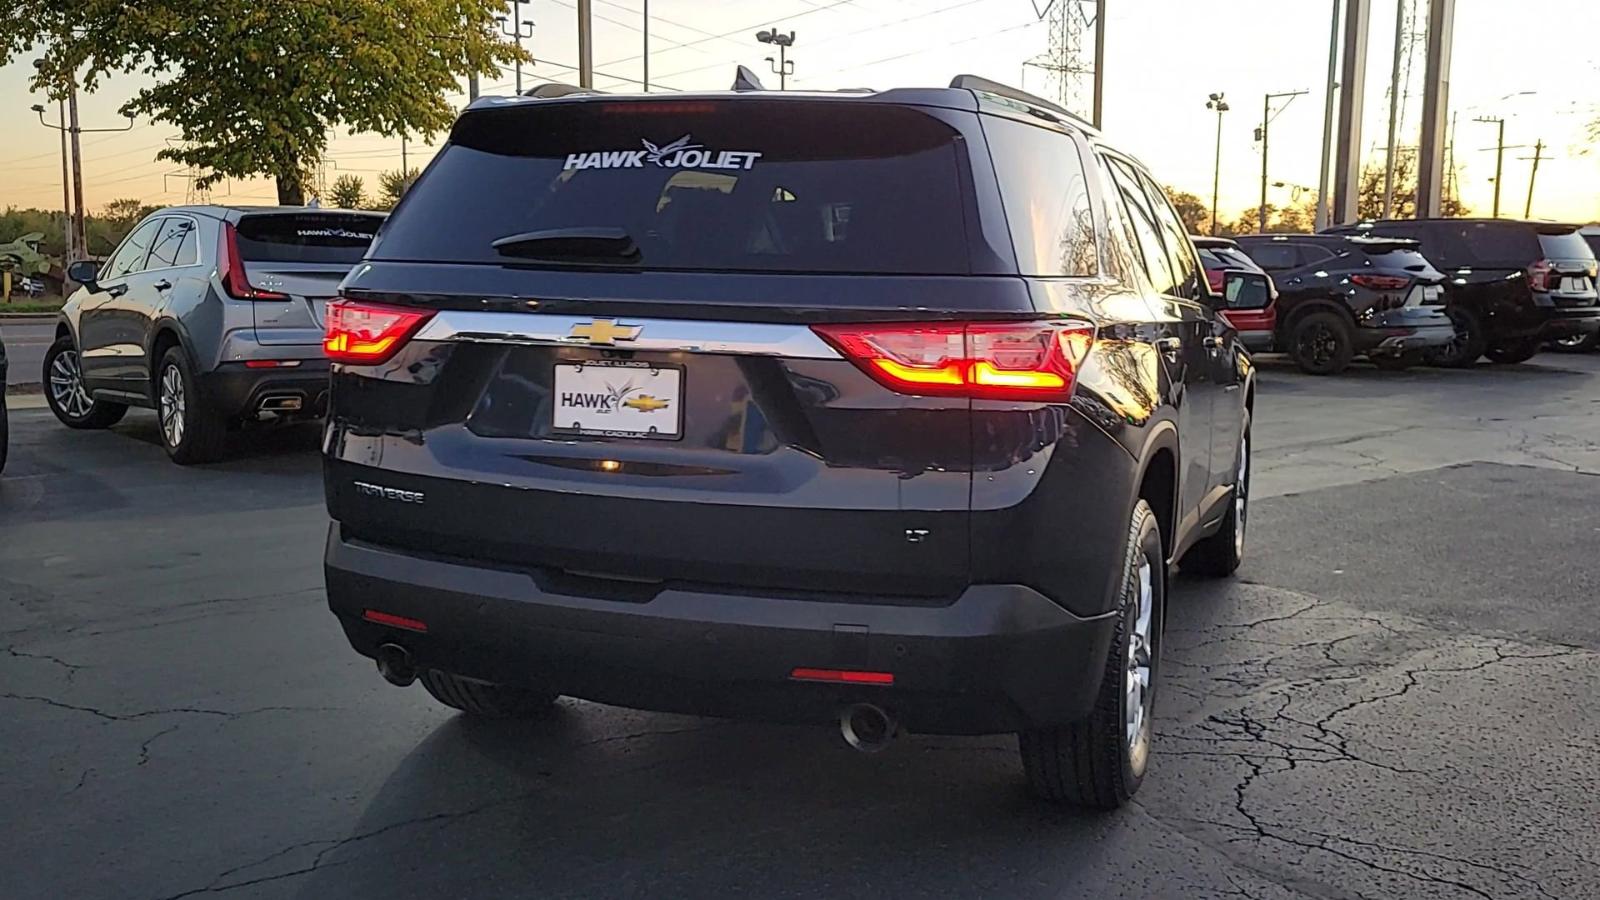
[(563, 807), (243, 447)]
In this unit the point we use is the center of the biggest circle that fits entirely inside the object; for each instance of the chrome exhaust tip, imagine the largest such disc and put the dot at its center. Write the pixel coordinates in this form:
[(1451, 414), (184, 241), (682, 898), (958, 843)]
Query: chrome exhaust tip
[(396, 665), (866, 727)]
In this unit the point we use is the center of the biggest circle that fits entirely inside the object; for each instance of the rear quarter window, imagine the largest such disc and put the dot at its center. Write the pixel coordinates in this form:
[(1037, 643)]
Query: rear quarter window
[(742, 185), (1046, 196), (306, 237), (1569, 246)]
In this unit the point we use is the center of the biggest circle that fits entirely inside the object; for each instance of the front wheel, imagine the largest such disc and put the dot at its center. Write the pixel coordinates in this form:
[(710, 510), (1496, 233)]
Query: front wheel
[(1321, 343), (1100, 762), (67, 395), (1512, 352)]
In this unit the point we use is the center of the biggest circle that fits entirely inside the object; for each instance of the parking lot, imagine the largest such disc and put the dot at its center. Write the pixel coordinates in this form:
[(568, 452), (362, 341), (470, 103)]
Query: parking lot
[(1395, 699)]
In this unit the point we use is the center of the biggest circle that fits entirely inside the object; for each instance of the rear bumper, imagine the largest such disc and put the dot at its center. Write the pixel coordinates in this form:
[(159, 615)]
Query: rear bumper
[(235, 390), (1570, 321), (1395, 340), (1000, 658)]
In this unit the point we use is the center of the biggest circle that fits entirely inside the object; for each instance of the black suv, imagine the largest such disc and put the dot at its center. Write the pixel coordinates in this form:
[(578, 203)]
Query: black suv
[(1344, 296), (885, 409), (1513, 285)]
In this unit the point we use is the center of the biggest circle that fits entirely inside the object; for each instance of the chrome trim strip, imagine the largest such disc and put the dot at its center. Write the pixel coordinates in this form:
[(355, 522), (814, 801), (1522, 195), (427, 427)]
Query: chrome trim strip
[(656, 335)]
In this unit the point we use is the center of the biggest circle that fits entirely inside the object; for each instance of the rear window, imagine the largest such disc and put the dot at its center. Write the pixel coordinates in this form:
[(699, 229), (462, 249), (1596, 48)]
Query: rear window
[(1570, 246), (733, 185), (306, 237), (1593, 240)]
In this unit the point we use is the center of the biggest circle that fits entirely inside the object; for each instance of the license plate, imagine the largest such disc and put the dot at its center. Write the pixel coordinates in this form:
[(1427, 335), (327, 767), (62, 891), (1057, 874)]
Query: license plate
[(618, 398)]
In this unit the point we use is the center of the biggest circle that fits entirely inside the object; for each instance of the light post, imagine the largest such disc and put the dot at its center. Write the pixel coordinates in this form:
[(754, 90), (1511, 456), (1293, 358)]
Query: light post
[(1221, 106), (782, 66), (514, 30), (76, 242)]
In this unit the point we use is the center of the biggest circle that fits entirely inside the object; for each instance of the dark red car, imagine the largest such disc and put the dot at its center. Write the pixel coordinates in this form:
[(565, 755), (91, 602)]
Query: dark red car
[(1253, 313)]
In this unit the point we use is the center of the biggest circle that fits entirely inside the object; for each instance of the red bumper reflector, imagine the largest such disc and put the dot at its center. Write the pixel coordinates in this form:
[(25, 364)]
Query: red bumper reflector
[(394, 621), (271, 363), (842, 676)]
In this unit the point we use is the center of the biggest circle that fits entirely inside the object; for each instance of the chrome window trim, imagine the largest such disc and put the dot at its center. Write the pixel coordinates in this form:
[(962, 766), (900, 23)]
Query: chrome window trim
[(655, 335)]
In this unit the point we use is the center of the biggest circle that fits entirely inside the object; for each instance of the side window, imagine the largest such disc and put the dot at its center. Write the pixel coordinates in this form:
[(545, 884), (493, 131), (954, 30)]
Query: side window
[(174, 245), (1311, 254), (1145, 230), (1274, 256), (1179, 248), (1046, 196), (129, 257)]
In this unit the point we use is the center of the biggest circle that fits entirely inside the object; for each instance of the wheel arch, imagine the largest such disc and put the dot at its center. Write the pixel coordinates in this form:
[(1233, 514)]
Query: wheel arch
[(1157, 483), (1287, 320)]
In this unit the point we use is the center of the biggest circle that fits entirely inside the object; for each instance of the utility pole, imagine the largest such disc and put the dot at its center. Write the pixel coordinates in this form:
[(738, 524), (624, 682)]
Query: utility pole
[(1538, 154), (1394, 106), (71, 130), (646, 46), (585, 45), (1324, 217), (1499, 155), (405, 170), (1264, 133), (783, 67), (1100, 66), (79, 237), (1221, 106), (515, 31)]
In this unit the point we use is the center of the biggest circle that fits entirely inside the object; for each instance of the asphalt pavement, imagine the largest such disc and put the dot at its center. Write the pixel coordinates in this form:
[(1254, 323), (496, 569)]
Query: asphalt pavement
[(1395, 699), (26, 338)]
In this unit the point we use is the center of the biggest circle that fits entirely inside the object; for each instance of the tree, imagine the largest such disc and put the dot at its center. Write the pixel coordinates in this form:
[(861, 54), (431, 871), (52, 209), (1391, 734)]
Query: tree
[(1299, 218), (349, 192), (393, 185), (254, 88), (1369, 191), (122, 214), (1196, 214)]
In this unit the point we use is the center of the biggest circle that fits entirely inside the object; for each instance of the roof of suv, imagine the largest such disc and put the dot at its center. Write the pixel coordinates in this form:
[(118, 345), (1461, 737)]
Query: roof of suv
[(1542, 226)]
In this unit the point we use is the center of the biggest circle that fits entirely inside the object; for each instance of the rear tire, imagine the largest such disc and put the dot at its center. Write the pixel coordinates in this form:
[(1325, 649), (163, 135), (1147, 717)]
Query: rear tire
[(1469, 343), (1321, 343), (64, 391), (190, 432), (1512, 352), (1101, 761), (488, 701), (1219, 555)]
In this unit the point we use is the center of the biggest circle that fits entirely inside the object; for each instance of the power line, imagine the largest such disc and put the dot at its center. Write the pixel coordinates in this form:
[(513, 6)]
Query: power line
[(898, 56)]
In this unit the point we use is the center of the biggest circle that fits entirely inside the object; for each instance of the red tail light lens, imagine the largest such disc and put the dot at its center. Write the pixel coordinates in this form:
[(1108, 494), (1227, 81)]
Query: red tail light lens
[(1381, 282), (366, 334), (1033, 361), (230, 269), (1218, 280), (1539, 275)]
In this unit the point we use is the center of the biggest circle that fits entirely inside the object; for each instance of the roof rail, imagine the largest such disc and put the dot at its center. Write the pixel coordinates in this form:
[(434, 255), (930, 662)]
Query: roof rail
[(979, 83), (556, 89)]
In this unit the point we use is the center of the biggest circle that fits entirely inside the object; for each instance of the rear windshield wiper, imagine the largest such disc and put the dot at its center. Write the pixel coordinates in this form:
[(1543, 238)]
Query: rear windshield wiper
[(598, 246)]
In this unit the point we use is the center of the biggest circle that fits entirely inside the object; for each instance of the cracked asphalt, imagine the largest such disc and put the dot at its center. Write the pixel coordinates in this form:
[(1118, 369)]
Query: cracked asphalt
[(1394, 700)]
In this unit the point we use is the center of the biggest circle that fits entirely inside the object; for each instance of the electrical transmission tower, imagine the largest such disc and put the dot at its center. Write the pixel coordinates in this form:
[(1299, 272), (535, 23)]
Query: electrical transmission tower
[(1068, 64)]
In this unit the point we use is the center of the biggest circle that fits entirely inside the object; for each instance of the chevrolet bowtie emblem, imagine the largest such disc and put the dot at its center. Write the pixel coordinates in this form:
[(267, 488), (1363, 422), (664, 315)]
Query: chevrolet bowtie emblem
[(603, 331)]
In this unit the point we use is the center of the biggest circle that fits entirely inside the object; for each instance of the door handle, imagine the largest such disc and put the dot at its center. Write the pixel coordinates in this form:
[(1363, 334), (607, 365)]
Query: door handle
[(116, 290), (163, 285), (1169, 345), (1212, 342)]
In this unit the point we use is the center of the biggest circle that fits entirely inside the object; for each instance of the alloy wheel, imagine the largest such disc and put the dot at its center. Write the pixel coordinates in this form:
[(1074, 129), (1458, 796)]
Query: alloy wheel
[(66, 385), (1572, 342), (1318, 345), (1140, 663), (172, 406)]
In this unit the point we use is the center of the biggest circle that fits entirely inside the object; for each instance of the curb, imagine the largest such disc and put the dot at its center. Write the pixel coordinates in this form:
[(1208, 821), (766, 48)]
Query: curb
[(25, 389), (41, 318)]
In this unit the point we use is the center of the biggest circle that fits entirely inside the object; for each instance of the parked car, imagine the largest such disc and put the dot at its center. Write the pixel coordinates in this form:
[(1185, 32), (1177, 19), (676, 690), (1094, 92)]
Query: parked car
[(1513, 285), (5, 424), (211, 315), (1583, 342), (882, 409), (1252, 307), (1340, 297)]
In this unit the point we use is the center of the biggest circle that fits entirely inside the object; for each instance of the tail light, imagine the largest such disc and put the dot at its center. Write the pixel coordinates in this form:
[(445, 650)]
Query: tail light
[(1033, 361), (1218, 280), (366, 334), (230, 269), (1381, 282), (1539, 275)]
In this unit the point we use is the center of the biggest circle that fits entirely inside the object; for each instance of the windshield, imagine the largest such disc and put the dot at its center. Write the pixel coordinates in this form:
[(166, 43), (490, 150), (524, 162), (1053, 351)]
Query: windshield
[(747, 186)]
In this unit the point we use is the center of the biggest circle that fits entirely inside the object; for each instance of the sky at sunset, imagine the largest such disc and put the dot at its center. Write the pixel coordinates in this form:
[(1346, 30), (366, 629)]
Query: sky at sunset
[(1163, 58)]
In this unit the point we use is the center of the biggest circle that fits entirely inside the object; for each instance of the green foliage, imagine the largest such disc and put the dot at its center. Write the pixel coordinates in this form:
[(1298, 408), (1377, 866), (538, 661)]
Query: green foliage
[(349, 192), (1300, 218), (254, 88), (104, 232), (392, 186)]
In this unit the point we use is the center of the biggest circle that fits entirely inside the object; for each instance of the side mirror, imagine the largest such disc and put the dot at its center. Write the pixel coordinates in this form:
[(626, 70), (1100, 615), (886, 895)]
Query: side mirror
[(85, 272), (1246, 290)]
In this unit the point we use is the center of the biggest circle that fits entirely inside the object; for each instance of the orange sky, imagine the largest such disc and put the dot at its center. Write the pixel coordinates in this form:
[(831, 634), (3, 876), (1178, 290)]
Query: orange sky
[(1163, 57)]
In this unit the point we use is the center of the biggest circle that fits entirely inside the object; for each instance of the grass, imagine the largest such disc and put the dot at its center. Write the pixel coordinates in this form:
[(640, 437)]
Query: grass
[(32, 305)]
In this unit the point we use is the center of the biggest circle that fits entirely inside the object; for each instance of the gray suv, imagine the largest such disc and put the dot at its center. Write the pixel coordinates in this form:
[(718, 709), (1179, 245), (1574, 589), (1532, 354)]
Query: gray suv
[(210, 315)]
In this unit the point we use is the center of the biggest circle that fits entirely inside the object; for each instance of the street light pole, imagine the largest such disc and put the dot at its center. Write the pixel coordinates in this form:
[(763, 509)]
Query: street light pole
[(585, 45), (647, 46), (782, 66), (1221, 106), (70, 253)]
